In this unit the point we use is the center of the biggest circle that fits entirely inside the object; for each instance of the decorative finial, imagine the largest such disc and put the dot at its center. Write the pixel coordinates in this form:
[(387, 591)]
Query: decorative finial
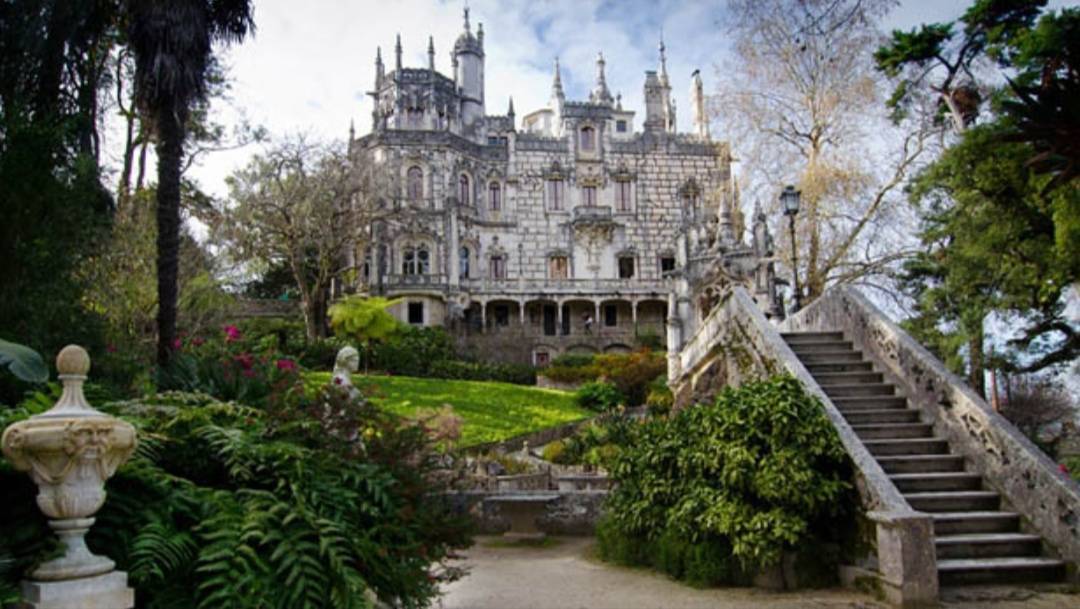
[(556, 85), (352, 130), (510, 110), (397, 53), (73, 360), (466, 17), (480, 33), (431, 53), (663, 60)]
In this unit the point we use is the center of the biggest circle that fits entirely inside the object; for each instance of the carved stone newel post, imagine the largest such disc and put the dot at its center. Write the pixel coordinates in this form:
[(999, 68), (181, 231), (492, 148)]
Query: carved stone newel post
[(70, 451)]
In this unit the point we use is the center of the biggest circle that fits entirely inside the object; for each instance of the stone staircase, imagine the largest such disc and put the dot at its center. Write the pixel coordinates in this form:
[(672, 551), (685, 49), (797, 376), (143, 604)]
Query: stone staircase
[(977, 542)]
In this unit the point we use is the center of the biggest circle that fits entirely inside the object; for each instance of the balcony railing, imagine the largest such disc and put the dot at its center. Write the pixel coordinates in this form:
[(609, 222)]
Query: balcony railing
[(568, 286)]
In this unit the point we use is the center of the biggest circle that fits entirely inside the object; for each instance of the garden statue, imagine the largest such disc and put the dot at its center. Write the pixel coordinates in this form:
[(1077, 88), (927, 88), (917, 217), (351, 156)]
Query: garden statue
[(70, 451), (347, 363)]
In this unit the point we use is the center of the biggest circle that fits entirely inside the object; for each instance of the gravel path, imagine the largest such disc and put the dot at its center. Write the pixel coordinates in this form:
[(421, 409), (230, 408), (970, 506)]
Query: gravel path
[(564, 576)]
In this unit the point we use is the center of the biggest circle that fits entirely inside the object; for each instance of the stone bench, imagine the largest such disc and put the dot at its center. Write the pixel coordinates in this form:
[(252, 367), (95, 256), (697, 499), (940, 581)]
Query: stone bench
[(523, 510)]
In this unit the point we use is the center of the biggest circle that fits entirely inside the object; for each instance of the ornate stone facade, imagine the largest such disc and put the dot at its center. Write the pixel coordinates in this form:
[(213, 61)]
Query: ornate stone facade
[(568, 232)]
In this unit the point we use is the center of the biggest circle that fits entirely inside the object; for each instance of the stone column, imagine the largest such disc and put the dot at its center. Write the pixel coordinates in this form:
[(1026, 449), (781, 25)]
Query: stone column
[(558, 318), (633, 316), (454, 272), (597, 324), (483, 317), (521, 314), (70, 451)]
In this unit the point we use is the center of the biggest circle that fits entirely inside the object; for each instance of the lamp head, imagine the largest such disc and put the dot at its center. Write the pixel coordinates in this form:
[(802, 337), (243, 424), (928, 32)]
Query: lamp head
[(789, 200)]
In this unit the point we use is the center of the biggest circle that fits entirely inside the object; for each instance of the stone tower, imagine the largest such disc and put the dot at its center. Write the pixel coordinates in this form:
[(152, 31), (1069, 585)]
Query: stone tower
[(468, 61)]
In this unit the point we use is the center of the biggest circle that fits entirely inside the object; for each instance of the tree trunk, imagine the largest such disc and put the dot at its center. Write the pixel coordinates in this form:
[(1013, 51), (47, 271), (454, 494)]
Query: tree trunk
[(977, 374), (170, 150)]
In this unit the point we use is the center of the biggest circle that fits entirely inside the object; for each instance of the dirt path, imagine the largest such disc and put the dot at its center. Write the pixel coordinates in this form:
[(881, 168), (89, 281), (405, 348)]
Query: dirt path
[(564, 576)]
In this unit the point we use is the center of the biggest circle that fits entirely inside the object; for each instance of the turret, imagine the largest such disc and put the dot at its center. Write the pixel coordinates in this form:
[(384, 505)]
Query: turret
[(469, 74), (431, 53), (659, 107), (397, 55), (380, 71)]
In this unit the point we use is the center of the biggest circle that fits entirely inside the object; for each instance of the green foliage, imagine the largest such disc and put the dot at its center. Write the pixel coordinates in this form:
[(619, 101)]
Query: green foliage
[(555, 452), (411, 351), (25, 363), (224, 505), (631, 373), (1072, 467), (659, 399), (570, 374), (491, 411), (364, 319), (598, 396), (518, 374), (573, 360), (758, 472)]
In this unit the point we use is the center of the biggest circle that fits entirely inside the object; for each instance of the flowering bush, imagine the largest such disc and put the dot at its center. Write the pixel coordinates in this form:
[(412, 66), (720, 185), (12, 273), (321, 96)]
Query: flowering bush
[(223, 367)]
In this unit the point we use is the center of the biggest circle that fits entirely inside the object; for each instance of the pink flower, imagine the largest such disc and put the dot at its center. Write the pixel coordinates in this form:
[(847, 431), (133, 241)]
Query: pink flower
[(232, 333), (246, 360), (286, 364), (248, 372), (177, 344), (337, 380), (198, 341)]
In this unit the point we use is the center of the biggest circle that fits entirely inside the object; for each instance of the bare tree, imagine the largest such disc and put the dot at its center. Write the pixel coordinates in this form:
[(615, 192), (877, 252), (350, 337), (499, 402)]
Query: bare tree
[(802, 103), (295, 203)]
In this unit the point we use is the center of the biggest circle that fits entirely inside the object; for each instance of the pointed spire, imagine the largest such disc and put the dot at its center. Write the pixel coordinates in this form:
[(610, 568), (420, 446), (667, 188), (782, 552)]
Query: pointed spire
[(480, 34), (556, 85), (467, 28), (600, 93), (431, 53), (352, 130), (397, 53), (510, 110), (618, 101), (663, 60), (380, 71)]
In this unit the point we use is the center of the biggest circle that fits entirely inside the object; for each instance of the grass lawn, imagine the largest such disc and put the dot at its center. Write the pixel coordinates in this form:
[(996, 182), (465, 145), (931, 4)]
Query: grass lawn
[(490, 411)]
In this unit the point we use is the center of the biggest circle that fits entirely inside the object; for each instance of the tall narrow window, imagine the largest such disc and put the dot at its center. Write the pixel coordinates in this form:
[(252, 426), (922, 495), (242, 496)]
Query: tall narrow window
[(414, 180), (408, 261), (495, 196), (588, 139), (423, 262), (626, 267), (622, 195), (498, 267), (463, 263), (416, 313), (558, 267), (463, 189), (611, 315), (555, 194), (588, 196), (667, 264)]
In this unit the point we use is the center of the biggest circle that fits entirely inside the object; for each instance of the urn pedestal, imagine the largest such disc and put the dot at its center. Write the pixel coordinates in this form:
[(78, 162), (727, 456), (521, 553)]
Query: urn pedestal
[(70, 451)]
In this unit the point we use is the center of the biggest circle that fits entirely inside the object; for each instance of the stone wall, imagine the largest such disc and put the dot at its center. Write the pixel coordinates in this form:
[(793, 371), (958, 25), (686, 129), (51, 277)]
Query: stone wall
[(573, 513), (1010, 463)]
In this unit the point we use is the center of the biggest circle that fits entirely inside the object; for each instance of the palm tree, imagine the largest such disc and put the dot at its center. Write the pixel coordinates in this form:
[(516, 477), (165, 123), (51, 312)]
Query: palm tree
[(173, 46)]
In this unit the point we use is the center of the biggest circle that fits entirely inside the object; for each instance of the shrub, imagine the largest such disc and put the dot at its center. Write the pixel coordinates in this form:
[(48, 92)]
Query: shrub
[(573, 360), (222, 503), (659, 399), (631, 373), (598, 396), (555, 451), (570, 374), (411, 351), (517, 374), (758, 472)]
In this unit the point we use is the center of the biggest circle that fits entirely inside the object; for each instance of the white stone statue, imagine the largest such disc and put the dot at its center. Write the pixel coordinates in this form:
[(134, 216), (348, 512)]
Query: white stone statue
[(347, 362)]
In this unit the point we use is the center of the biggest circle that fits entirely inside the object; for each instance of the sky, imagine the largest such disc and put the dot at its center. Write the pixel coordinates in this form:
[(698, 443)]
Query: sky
[(309, 69)]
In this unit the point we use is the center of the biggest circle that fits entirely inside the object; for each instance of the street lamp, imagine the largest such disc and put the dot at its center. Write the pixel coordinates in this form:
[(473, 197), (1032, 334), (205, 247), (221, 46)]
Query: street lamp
[(789, 199)]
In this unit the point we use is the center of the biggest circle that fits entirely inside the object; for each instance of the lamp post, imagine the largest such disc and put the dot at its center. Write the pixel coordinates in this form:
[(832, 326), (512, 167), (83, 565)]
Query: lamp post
[(789, 199)]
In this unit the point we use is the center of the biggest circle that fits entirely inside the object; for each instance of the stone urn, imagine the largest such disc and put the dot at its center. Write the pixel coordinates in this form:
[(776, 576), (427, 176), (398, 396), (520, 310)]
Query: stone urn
[(69, 451)]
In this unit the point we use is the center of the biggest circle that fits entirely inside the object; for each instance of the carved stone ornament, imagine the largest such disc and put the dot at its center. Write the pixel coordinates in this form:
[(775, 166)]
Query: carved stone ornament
[(70, 451)]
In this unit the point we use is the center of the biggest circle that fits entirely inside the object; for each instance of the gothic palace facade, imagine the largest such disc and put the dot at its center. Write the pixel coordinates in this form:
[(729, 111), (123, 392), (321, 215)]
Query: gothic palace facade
[(565, 231)]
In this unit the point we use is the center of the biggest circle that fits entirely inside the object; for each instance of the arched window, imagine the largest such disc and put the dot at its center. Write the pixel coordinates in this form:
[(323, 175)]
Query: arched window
[(414, 180), (622, 195), (408, 261), (463, 263), (495, 196), (463, 189), (497, 267), (588, 139), (423, 260)]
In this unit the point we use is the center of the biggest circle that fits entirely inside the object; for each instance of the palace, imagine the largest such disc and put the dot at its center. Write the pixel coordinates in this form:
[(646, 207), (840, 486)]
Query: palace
[(569, 230)]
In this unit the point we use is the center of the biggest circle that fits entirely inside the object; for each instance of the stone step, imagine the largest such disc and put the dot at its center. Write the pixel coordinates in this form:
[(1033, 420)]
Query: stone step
[(832, 367), (797, 337), (1009, 570), (818, 346), (966, 523), (912, 464), (987, 545), (846, 404), (880, 417), (939, 481), (953, 501), (831, 357), (894, 431), (859, 390), (848, 378), (907, 446)]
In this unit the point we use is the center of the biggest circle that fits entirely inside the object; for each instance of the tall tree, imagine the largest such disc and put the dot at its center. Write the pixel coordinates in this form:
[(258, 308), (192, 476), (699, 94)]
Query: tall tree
[(295, 205), (803, 101), (173, 47)]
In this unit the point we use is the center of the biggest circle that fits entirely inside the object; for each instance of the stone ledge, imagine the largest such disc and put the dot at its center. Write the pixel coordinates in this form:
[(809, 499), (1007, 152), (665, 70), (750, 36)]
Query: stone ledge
[(108, 591)]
